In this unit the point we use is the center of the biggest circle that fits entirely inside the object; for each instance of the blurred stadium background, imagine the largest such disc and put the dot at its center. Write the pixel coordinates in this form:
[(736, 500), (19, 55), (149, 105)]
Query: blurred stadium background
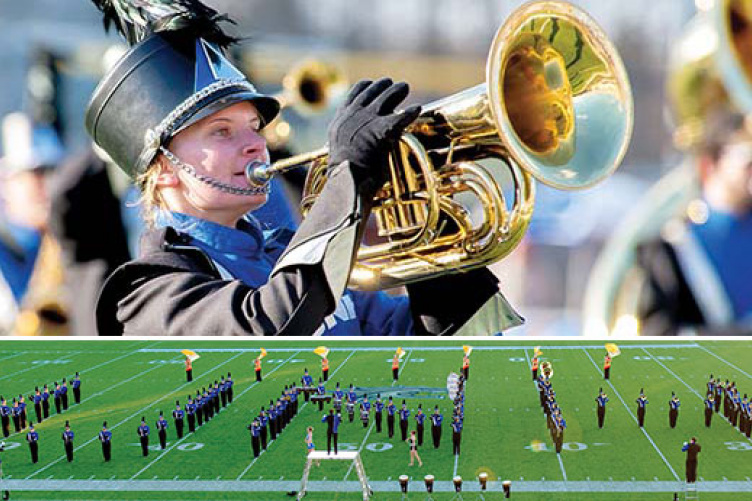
[(439, 47)]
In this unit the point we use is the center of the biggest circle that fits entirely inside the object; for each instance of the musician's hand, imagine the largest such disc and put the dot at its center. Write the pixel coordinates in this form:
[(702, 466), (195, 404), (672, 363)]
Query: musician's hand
[(365, 127)]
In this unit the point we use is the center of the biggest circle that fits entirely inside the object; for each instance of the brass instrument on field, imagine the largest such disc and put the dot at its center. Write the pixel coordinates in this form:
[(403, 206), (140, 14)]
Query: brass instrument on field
[(310, 87), (711, 68), (556, 106), (547, 369)]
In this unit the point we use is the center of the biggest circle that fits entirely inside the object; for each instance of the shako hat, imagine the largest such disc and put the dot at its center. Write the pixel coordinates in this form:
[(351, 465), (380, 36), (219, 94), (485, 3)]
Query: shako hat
[(174, 75)]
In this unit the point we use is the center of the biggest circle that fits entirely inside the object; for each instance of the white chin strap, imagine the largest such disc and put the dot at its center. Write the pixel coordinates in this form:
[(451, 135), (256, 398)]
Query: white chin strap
[(214, 183)]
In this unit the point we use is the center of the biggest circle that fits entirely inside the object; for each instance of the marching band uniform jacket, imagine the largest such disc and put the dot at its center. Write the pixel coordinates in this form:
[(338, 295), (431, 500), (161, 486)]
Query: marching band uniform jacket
[(176, 289)]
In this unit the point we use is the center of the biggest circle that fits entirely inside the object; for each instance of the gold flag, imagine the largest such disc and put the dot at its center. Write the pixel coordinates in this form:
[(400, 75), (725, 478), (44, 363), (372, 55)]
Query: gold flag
[(612, 350), (262, 354), (192, 355), (400, 352), (321, 351), (467, 349)]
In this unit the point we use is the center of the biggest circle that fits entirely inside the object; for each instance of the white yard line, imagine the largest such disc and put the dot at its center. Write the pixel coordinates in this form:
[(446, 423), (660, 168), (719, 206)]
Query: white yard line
[(179, 388), (72, 354), (360, 449), (250, 465), (691, 389), (164, 453), (725, 361), (616, 392), (456, 462), (535, 385), (14, 355)]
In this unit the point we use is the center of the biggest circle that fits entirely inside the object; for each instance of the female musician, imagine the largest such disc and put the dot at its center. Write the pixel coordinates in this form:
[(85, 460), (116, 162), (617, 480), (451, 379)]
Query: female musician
[(185, 124), (310, 447), (412, 441)]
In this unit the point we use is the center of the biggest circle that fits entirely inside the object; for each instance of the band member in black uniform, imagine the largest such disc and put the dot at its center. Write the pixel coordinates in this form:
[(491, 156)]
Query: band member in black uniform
[(178, 416), (272, 415), (692, 449), (105, 437), (223, 391), (5, 412), (76, 385), (436, 419), (229, 383), (143, 436), (255, 430), (642, 401), (37, 399), (57, 395), (64, 394), (719, 392), (190, 412), (158, 126), (378, 408), (15, 412), (673, 412), (45, 402), (601, 399), (262, 419), (404, 413), (68, 436), (32, 437), (307, 381), (332, 420), (24, 418), (456, 435), (162, 430), (420, 419), (390, 410), (709, 404), (215, 397)]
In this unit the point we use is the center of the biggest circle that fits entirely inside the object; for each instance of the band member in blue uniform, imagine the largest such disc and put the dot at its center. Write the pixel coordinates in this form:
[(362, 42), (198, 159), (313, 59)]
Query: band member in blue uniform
[(332, 420), (307, 382), (365, 413), (190, 412), (255, 430), (223, 391), (378, 408), (436, 420), (22, 411), (673, 412), (601, 400), (456, 435), (58, 397), (162, 430), (36, 399), (143, 436), (5, 412), (404, 414), (420, 419), (45, 402), (272, 416), (214, 392), (719, 392), (390, 410), (709, 405), (76, 385), (32, 437), (560, 425), (263, 421), (199, 408), (337, 397), (68, 437), (321, 391), (64, 394), (105, 437), (229, 383), (178, 416), (15, 413), (642, 402)]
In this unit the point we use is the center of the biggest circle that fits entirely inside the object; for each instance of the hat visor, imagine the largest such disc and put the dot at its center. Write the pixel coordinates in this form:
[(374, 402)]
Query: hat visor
[(267, 107)]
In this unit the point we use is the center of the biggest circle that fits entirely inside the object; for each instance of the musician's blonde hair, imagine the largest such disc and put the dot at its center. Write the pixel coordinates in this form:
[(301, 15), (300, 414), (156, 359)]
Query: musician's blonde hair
[(151, 200)]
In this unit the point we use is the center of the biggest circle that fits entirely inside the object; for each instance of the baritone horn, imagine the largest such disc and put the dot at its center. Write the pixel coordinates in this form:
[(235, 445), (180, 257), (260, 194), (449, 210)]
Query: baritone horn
[(556, 106), (547, 369)]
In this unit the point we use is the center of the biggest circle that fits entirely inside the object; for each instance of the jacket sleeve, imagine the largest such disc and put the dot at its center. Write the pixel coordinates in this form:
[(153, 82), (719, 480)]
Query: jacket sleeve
[(161, 297)]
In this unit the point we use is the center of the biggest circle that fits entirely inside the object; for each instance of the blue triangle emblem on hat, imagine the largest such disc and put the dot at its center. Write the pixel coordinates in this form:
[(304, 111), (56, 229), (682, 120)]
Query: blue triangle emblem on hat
[(211, 66)]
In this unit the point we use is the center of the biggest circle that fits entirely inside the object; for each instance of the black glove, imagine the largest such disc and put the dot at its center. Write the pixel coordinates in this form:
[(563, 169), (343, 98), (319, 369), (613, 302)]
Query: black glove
[(365, 128)]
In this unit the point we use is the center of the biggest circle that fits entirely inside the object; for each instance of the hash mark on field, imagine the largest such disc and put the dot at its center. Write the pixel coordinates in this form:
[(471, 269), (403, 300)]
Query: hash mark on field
[(724, 360)]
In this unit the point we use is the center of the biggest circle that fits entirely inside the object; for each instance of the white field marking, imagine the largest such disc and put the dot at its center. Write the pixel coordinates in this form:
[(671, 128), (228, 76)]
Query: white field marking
[(235, 399), (635, 418), (724, 361), (140, 411), (692, 390), (535, 385), (72, 354), (456, 462), (18, 354), (250, 465), (379, 486), (360, 449), (94, 395), (402, 369), (433, 348)]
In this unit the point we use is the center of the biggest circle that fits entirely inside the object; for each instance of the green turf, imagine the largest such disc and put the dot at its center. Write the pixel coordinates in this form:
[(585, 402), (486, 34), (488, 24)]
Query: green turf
[(124, 380)]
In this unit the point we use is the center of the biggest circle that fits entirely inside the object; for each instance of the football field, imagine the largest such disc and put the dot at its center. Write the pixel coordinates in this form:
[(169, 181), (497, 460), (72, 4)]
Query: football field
[(504, 434)]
